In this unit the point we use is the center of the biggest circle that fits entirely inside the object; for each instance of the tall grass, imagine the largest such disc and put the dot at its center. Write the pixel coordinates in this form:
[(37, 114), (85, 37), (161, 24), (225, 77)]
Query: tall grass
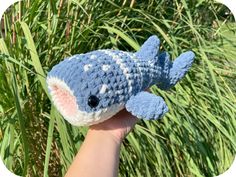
[(198, 135)]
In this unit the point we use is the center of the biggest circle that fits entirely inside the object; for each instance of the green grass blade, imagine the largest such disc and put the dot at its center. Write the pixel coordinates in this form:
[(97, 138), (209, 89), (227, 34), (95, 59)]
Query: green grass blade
[(49, 141), (130, 41), (34, 56)]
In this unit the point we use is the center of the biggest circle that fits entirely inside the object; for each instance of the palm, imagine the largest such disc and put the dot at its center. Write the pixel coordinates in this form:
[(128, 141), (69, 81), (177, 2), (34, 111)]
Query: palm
[(119, 125)]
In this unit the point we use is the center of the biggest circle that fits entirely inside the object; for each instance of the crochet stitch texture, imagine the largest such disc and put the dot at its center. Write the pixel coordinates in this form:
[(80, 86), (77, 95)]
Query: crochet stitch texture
[(90, 88)]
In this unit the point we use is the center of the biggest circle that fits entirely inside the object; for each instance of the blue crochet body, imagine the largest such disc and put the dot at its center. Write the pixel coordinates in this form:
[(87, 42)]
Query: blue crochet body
[(103, 82)]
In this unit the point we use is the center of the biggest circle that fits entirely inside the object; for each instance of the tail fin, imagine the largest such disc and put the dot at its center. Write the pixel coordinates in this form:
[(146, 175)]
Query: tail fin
[(177, 70), (149, 50)]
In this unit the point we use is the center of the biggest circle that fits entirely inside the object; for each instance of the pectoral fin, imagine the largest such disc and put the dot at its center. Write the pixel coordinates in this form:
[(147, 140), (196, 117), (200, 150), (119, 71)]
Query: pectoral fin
[(146, 106)]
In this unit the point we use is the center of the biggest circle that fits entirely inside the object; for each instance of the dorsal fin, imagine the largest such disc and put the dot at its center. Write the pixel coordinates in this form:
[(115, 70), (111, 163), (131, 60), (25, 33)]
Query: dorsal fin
[(149, 49)]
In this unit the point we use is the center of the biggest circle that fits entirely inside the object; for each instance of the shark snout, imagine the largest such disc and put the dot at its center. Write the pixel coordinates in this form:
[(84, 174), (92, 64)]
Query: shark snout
[(63, 97)]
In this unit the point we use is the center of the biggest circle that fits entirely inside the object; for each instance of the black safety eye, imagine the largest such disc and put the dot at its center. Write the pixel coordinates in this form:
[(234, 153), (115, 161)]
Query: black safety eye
[(93, 101)]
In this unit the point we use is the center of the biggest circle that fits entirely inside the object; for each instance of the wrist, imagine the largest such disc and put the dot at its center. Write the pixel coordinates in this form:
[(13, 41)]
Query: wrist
[(105, 134)]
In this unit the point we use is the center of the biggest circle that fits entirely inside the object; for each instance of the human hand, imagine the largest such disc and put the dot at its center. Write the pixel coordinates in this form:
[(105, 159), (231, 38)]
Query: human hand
[(102, 144), (118, 126)]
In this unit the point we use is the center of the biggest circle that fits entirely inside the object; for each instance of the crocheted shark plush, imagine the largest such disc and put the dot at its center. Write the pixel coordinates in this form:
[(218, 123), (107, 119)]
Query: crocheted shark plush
[(91, 88)]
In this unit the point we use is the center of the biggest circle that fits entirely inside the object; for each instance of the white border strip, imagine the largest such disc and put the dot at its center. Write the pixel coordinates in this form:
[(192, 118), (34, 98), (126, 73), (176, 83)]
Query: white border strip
[(4, 5), (4, 172), (231, 4)]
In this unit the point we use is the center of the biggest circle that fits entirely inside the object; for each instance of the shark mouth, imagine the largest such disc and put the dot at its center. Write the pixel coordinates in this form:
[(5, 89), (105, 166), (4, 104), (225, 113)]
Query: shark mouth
[(62, 97)]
